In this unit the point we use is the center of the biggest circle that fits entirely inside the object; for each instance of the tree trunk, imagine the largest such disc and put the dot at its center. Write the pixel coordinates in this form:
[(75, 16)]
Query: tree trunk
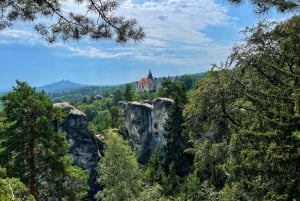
[(32, 173)]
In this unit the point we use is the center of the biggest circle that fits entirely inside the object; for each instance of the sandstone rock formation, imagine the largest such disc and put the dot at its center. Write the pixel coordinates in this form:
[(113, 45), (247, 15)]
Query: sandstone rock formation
[(144, 125), (85, 148)]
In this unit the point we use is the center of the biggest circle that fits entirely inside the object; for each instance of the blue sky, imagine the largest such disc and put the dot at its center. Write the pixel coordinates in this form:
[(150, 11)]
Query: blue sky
[(182, 37)]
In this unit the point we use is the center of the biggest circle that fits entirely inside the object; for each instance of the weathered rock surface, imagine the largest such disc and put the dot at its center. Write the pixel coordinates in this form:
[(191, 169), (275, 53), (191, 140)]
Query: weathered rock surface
[(144, 125), (85, 148)]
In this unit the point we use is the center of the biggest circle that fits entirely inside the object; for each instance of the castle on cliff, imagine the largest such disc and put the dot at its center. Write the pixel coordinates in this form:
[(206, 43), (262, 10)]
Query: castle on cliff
[(147, 84)]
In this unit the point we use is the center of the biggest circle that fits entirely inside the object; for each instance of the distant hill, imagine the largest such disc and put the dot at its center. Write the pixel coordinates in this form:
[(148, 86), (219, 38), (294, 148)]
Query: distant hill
[(61, 86)]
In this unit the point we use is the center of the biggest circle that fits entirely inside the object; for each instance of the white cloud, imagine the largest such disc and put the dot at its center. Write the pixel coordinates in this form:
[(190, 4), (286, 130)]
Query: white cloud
[(176, 20), (18, 36), (16, 33), (169, 20), (188, 55), (174, 33), (92, 52), (155, 42)]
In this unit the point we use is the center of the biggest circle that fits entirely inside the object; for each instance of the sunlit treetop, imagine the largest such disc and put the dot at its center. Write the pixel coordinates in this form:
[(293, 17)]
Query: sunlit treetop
[(263, 6), (96, 20)]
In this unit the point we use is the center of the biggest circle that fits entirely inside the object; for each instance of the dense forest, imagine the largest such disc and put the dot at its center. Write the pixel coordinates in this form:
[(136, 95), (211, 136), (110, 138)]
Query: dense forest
[(233, 134)]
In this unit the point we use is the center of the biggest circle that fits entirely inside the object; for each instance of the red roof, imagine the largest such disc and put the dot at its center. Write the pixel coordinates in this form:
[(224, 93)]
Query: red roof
[(146, 80)]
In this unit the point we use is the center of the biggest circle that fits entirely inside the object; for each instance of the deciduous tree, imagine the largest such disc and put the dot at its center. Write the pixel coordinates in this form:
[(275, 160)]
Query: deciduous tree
[(264, 159), (119, 171), (12, 188)]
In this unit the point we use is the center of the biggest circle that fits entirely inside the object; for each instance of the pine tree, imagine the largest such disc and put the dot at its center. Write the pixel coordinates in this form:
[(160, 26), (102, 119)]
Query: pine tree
[(174, 127), (12, 188), (171, 186), (264, 160), (154, 172), (176, 141), (190, 189), (263, 6), (33, 151), (258, 100), (62, 25), (128, 93)]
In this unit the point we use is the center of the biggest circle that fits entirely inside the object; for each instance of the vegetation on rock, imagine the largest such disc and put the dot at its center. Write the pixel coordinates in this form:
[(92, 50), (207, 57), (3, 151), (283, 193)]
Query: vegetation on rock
[(234, 135), (32, 150)]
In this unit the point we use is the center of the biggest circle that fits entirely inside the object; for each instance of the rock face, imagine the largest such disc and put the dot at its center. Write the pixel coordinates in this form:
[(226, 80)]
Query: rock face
[(144, 125), (84, 148)]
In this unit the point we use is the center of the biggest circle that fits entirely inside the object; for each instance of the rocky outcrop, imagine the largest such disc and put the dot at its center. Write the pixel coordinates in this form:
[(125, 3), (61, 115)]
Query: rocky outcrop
[(144, 125), (85, 148)]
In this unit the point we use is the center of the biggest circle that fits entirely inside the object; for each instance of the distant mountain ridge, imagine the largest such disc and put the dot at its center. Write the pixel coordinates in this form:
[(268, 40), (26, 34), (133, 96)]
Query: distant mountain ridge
[(68, 86), (61, 86)]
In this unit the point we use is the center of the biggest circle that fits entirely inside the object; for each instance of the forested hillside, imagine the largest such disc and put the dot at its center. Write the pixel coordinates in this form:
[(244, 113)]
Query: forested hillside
[(87, 94), (232, 135)]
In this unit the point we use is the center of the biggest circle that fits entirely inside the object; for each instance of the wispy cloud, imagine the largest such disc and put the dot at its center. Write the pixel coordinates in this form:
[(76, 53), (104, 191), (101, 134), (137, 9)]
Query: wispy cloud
[(185, 56), (16, 33), (92, 52), (175, 33), (18, 36), (175, 30), (176, 20)]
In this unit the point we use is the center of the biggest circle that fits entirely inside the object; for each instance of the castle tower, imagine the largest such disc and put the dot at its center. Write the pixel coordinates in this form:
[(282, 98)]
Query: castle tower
[(147, 84), (150, 75)]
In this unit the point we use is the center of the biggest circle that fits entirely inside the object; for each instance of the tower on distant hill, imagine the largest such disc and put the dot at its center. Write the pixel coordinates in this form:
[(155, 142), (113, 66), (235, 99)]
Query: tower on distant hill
[(147, 84)]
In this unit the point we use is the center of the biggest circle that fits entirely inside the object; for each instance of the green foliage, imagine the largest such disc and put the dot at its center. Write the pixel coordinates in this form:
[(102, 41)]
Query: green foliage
[(89, 94), (116, 117), (102, 114), (176, 139), (264, 156), (210, 107), (150, 193), (119, 171), (77, 180), (242, 119), (64, 26), (249, 113), (12, 188), (173, 90), (121, 175), (128, 93), (32, 150), (171, 186), (190, 80), (263, 6), (190, 188), (144, 95), (103, 120), (117, 96), (174, 126), (154, 172), (85, 94), (209, 159)]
